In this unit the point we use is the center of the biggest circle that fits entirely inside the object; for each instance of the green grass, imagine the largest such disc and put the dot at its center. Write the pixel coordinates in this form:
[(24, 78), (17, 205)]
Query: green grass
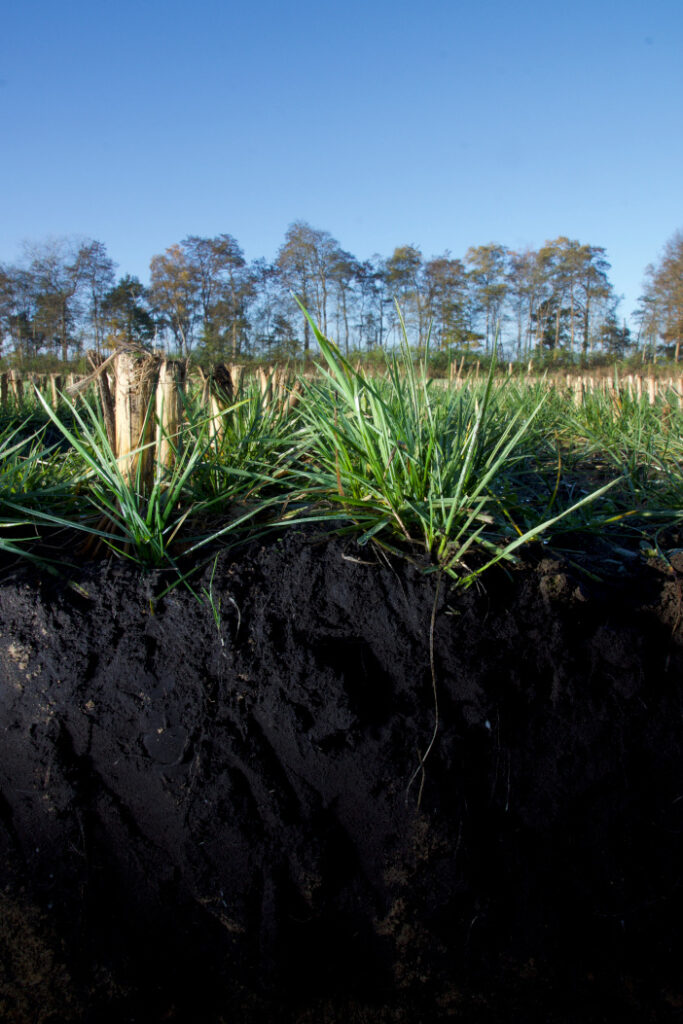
[(460, 478), (88, 493), (404, 463), (32, 476)]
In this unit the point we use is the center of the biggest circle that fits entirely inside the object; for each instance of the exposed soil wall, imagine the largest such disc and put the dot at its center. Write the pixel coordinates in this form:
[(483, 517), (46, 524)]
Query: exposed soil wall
[(211, 818)]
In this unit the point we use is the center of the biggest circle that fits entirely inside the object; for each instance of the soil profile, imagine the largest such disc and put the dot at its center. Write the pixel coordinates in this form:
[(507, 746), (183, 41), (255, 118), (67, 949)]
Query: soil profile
[(235, 806)]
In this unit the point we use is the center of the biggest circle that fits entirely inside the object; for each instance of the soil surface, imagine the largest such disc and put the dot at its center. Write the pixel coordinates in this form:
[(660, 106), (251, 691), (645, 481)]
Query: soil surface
[(237, 809)]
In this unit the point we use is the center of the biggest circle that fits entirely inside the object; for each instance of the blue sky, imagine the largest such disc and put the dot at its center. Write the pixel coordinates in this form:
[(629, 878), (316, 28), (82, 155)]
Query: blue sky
[(443, 125)]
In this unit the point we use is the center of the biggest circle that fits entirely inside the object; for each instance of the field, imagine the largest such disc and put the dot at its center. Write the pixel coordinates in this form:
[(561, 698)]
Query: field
[(341, 699)]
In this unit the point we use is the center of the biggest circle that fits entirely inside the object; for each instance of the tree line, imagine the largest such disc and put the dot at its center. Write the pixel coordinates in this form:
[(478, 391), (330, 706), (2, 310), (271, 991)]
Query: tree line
[(204, 298)]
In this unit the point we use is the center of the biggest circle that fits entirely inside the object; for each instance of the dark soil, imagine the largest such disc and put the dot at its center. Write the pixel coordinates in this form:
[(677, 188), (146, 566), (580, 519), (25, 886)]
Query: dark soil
[(226, 819)]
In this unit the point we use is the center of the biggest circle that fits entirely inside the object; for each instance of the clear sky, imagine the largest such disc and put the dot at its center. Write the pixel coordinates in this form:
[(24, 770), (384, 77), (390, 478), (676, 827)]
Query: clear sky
[(438, 124)]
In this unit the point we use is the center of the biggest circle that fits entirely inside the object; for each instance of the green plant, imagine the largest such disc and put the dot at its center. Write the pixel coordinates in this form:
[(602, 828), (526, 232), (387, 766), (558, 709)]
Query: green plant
[(152, 527), (31, 476), (257, 443), (403, 463), (215, 604)]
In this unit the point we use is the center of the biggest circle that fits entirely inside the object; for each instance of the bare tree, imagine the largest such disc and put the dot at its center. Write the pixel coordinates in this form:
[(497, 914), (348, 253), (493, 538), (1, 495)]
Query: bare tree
[(96, 279)]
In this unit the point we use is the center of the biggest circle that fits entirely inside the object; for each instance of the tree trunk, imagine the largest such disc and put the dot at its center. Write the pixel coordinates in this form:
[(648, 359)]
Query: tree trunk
[(586, 322), (556, 343), (65, 340), (346, 323)]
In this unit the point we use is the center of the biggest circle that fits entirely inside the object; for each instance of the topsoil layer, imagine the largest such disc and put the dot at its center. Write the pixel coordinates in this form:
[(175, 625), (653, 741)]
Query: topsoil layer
[(232, 810)]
